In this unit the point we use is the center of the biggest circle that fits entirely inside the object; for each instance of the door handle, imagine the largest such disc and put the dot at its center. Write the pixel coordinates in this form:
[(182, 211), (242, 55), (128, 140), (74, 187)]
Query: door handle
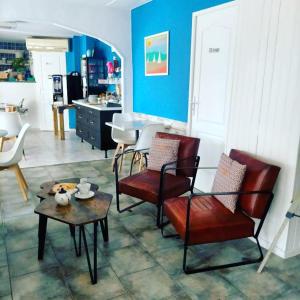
[(194, 103)]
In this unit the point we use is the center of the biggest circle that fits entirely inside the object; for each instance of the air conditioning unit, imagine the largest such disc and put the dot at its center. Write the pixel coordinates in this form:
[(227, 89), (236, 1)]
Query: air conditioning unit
[(47, 44)]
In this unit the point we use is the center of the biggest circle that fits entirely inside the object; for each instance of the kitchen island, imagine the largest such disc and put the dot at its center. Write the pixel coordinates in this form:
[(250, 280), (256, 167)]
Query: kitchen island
[(90, 124)]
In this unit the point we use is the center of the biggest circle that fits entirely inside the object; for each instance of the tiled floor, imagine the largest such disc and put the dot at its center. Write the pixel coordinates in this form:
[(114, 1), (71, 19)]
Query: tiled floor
[(42, 148), (137, 263)]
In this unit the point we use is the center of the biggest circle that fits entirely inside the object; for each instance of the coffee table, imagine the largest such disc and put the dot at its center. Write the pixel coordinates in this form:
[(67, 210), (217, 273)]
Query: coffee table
[(77, 214)]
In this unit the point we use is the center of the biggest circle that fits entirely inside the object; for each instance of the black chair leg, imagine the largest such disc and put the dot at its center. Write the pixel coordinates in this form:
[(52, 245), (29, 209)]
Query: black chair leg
[(158, 216), (188, 270)]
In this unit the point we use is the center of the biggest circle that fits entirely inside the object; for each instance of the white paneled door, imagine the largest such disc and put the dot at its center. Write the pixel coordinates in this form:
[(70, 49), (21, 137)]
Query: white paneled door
[(45, 65), (213, 43)]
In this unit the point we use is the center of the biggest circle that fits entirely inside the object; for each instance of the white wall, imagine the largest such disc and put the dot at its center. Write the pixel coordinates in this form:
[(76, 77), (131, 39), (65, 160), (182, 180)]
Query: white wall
[(13, 92), (102, 22), (265, 107)]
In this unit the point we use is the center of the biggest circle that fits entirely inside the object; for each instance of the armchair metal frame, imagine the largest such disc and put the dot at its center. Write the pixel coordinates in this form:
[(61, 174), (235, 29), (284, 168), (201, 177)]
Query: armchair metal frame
[(189, 270), (163, 171), (143, 154)]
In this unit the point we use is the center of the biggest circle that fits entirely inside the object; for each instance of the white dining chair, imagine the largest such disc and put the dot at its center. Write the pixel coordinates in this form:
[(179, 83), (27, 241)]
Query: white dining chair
[(11, 122), (144, 142), (122, 138), (10, 159)]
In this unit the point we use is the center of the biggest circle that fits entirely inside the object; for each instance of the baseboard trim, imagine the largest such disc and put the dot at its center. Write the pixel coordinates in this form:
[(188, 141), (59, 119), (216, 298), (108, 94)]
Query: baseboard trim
[(277, 250)]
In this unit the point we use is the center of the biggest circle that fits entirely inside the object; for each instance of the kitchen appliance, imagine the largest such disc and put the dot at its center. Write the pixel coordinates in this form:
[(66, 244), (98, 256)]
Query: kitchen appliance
[(92, 70), (58, 92), (74, 87)]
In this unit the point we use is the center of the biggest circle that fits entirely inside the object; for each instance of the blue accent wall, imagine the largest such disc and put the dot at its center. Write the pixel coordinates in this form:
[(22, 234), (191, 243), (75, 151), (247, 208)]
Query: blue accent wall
[(78, 47), (165, 96)]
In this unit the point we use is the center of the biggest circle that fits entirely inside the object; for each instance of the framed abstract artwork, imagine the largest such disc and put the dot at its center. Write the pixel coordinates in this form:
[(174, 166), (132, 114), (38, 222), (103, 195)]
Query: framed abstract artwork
[(157, 54)]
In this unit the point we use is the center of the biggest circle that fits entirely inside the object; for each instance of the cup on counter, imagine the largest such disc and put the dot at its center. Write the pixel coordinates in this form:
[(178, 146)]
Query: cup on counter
[(93, 99)]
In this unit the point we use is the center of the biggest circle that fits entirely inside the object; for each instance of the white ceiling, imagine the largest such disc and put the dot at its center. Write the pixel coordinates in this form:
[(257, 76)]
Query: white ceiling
[(120, 4), (21, 30)]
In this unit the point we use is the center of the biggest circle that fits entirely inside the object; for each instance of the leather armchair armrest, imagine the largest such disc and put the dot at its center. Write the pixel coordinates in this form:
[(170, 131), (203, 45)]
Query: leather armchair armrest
[(166, 167)]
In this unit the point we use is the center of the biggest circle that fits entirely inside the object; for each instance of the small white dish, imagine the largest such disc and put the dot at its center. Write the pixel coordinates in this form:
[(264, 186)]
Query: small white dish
[(89, 195)]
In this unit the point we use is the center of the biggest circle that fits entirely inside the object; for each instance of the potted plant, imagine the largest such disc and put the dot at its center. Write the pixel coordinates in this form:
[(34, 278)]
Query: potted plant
[(18, 66)]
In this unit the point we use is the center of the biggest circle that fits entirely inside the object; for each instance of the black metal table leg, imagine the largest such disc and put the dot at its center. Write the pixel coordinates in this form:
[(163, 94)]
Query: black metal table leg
[(104, 229), (72, 230), (42, 236), (95, 252), (73, 235), (105, 153), (94, 274)]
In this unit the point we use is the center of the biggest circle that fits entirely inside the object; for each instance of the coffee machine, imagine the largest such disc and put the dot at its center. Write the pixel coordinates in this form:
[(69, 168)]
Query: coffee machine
[(58, 92), (73, 88)]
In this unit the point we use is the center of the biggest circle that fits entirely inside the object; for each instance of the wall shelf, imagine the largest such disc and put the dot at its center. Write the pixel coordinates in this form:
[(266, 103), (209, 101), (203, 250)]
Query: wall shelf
[(110, 81)]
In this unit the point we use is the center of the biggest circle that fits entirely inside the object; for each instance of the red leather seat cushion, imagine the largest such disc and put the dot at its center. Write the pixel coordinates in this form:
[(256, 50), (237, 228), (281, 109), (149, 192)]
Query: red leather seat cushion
[(145, 185), (210, 221)]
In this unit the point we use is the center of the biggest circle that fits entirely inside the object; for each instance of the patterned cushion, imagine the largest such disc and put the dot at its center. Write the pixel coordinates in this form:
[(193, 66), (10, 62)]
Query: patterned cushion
[(163, 151), (229, 178)]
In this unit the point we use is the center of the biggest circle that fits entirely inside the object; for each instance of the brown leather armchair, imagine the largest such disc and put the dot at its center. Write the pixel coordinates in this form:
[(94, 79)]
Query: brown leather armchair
[(153, 186), (202, 219)]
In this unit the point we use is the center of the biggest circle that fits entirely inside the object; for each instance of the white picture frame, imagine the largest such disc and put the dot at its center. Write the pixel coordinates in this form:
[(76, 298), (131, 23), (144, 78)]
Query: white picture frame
[(156, 54)]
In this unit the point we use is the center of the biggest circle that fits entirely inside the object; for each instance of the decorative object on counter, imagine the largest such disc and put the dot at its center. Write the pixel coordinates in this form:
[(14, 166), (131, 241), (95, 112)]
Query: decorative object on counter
[(118, 91), (157, 54), (18, 64), (3, 75), (10, 108), (117, 68), (27, 74), (63, 197), (11, 78), (93, 99), (20, 77), (30, 79), (90, 52), (110, 69)]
